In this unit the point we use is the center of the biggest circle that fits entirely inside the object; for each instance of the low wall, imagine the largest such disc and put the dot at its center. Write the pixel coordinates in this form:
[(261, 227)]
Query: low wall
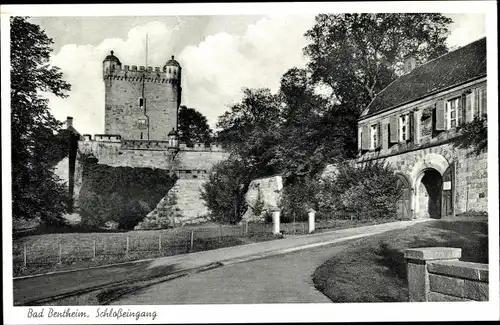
[(437, 274)]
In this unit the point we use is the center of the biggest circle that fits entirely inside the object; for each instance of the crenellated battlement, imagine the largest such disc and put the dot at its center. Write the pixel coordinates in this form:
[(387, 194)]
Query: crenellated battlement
[(133, 74), (148, 144)]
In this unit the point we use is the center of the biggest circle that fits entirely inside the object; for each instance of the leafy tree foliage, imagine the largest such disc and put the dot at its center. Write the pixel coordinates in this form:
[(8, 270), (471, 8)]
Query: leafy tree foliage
[(314, 131), (473, 135), (250, 130), (193, 127), (358, 55), (298, 131), (367, 190), (224, 192), (140, 191), (36, 145)]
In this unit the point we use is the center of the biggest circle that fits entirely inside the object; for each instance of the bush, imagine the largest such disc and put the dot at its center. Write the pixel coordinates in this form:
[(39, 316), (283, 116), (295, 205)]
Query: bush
[(224, 192), (121, 194), (299, 195), (369, 190), (473, 135)]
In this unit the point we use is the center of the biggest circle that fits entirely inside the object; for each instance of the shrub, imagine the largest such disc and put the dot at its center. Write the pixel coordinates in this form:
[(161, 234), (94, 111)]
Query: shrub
[(473, 135), (121, 194), (224, 192), (369, 190), (299, 195)]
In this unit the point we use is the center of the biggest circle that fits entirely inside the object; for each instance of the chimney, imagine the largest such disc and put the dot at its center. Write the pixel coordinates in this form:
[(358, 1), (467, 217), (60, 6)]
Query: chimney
[(410, 64), (69, 121)]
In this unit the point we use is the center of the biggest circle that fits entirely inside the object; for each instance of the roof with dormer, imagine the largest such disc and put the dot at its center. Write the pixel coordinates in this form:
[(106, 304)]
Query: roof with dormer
[(172, 63), (112, 57), (452, 69)]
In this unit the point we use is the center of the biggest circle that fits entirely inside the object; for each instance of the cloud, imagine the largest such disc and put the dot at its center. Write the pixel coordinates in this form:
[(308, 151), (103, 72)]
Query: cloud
[(466, 29), (218, 68), (214, 71)]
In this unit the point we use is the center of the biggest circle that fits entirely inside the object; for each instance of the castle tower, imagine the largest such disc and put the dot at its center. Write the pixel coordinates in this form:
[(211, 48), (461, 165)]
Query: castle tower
[(141, 104)]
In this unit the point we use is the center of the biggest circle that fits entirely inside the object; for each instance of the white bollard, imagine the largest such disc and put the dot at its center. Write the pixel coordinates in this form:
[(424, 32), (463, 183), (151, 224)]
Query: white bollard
[(276, 222), (311, 215)]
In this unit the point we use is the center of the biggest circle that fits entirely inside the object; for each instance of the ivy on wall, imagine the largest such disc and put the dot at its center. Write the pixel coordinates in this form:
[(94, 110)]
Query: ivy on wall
[(124, 195)]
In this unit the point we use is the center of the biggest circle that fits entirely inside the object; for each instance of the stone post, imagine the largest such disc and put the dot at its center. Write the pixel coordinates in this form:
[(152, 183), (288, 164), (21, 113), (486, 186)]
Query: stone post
[(418, 276), (311, 224), (276, 222)]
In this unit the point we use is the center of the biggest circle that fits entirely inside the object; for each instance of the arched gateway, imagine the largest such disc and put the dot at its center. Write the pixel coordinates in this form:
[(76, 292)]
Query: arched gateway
[(433, 187)]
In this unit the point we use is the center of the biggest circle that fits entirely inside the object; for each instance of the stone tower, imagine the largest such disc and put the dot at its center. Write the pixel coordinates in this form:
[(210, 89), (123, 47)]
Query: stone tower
[(141, 104)]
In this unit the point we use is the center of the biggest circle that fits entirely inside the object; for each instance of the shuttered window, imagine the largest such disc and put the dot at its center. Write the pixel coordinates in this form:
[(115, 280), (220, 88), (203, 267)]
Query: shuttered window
[(453, 113), (360, 134), (393, 129), (365, 138), (469, 106), (404, 128), (374, 136), (480, 102), (440, 116)]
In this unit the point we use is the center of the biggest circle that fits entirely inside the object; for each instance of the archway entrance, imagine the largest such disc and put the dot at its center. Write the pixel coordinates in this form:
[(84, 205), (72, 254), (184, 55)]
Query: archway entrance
[(403, 205), (429, 194)]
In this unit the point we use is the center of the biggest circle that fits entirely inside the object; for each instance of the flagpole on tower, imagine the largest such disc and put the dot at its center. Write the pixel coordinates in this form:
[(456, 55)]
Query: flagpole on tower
[(146, 52)]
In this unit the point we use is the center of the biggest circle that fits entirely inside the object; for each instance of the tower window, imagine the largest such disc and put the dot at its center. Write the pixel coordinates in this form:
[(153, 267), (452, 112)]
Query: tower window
[(141, 135), (141, 123)]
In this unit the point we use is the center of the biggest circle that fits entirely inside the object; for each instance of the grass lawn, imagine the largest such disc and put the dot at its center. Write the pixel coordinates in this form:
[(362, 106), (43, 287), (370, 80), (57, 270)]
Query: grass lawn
[(374, 269), (72, 250)]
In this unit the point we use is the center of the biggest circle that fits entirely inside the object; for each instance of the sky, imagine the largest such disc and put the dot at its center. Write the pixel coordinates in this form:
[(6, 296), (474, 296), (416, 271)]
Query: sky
[(220, 55)]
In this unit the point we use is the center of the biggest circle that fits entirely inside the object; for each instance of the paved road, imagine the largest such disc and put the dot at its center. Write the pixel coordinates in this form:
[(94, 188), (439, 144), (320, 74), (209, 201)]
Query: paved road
[(54, 284), (278, 279)]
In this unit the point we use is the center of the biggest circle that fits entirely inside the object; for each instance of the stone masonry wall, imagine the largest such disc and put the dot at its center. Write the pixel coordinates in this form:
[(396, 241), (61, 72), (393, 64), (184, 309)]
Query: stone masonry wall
[(123, 88), (437, 274), (266, 190), (188, 207), (117, 154), (191, 165), (471, 186)]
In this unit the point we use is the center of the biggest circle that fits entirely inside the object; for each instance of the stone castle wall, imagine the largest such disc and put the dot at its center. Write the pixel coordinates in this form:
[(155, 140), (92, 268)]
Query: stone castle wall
[(471, 177), (153, 154), (162, 94), (191, 165)]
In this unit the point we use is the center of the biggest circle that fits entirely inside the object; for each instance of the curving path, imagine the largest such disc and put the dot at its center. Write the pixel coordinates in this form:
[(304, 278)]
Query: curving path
[(279, 279)]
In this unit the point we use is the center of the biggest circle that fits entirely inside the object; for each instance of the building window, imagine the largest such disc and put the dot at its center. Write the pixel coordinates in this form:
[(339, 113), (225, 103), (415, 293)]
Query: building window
[(404, 121), (374, 136), (480, 102), (141, 123), (453, 116)]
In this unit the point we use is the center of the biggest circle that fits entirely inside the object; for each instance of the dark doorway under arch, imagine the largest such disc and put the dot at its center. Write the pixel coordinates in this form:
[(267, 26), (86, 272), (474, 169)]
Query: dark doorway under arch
[(430, 194)]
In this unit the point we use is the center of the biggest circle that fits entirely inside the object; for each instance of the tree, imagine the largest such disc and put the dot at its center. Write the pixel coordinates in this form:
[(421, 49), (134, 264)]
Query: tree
[(193, 127), (314, 130), (224, 192), (34, 130), (473, 135), (250, 130), (369, 190), (358, 55)]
